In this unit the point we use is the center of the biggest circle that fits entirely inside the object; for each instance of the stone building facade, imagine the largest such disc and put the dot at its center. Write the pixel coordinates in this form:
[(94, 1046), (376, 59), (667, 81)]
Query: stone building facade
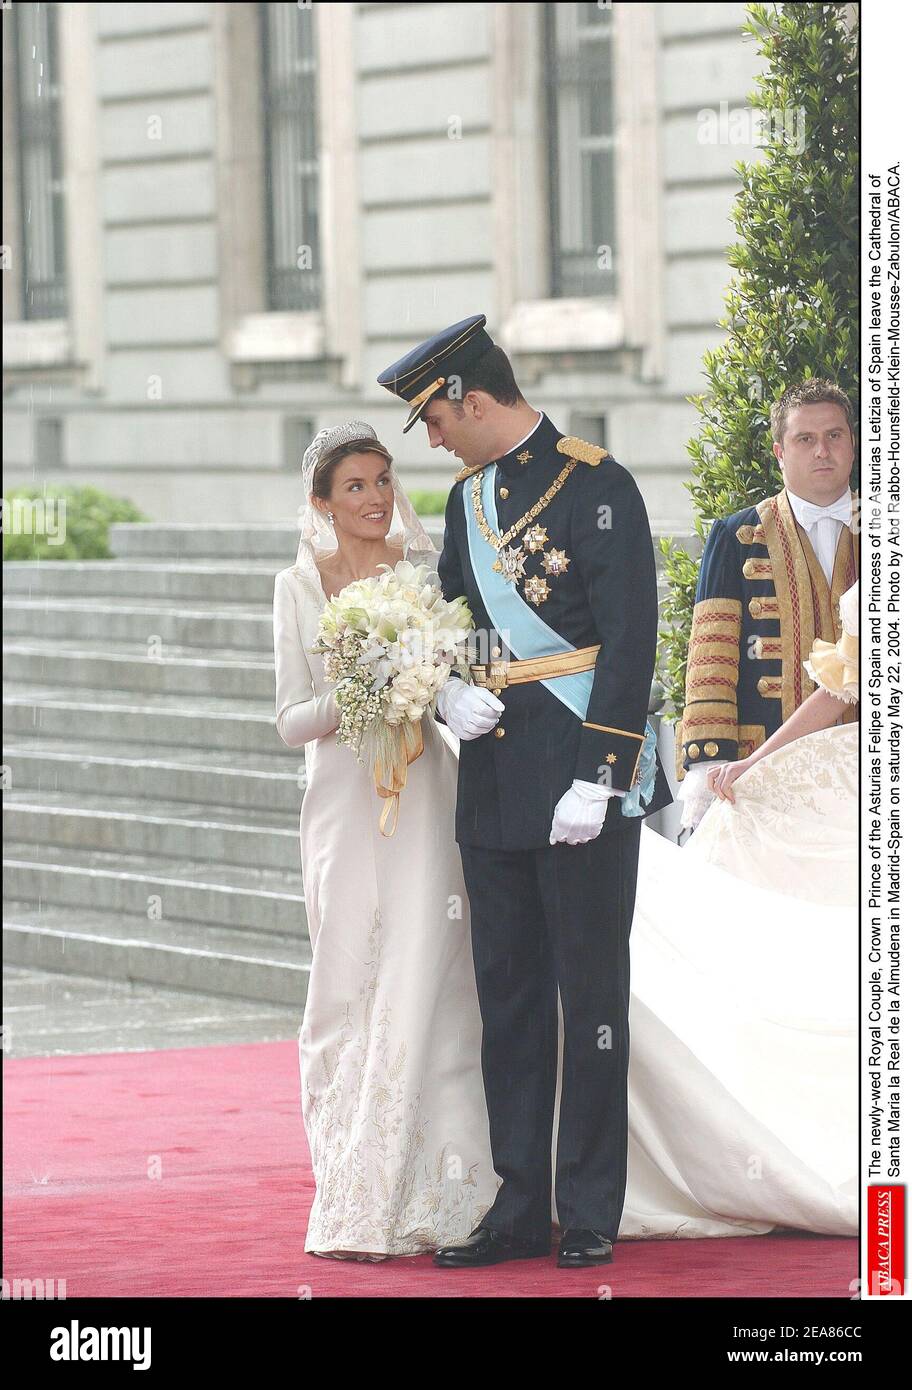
[(222, 220)]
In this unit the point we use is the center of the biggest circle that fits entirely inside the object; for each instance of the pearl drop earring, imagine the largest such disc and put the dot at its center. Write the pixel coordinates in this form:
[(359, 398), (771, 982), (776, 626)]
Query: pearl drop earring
[(331, 518)]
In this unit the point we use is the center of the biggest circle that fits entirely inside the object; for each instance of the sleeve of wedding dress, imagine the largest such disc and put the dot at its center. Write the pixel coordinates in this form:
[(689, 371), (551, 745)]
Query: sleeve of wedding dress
[(834, 665), (301, 714)]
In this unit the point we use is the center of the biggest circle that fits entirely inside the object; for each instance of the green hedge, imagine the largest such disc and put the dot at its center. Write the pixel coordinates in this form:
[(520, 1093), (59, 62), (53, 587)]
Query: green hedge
[(791, 311), (81, 516), (429, 503)]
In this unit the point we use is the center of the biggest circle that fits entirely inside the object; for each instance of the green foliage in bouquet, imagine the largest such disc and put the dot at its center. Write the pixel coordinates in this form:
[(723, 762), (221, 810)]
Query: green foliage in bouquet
[(81, 526), (791, 312)]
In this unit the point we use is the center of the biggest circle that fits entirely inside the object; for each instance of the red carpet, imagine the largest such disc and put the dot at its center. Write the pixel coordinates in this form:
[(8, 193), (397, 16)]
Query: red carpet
[(185, 1174)]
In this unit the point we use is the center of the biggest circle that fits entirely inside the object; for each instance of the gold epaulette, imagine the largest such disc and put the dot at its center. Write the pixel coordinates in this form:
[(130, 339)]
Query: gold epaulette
[(582, 451), (569, 445), (468, 471)]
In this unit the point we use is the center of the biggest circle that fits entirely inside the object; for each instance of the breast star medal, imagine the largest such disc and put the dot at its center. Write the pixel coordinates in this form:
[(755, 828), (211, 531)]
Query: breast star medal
[(511, 563), (555, 561), (536, 538), (536, 589)]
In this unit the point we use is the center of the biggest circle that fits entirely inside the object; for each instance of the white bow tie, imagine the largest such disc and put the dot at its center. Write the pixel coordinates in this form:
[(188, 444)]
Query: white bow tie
[(810, 513)]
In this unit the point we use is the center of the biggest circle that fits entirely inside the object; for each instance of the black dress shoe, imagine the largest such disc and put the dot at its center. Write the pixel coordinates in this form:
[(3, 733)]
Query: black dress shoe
[(579, 1249), (487, 1247)]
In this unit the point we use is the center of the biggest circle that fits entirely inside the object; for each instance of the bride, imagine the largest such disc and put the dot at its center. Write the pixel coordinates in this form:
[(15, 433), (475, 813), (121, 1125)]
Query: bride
[(743, 1061), (391, 1087)]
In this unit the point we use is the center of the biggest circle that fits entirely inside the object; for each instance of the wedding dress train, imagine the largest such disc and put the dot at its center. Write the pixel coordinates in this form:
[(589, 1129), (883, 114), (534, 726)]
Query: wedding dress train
[(743, 1082), (744, 995)]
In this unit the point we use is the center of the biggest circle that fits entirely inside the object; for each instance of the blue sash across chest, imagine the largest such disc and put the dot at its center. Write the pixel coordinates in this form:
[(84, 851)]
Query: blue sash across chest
[(526, 634)]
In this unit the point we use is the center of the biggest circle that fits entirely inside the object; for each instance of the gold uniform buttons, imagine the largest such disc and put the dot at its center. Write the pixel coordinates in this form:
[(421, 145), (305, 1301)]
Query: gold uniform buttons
[(495, 690), (693, 750), (495, 652), (499, 732), (710, 749), (505, 493), (763, 685), (756, 608)]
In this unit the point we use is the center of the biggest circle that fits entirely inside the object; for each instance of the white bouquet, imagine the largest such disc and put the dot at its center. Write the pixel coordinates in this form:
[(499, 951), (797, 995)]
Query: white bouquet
[(390, 643)]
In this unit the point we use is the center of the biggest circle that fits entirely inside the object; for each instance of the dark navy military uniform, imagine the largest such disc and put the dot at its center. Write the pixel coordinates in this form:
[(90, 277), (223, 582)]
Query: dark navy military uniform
[(556, 917), (607, 595)]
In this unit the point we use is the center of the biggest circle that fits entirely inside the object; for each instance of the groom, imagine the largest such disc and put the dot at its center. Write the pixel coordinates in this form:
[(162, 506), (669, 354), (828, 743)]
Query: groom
[(547, 538)]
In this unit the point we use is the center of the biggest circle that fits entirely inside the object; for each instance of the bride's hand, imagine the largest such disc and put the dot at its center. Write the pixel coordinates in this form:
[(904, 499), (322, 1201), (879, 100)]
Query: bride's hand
[(721, 779)]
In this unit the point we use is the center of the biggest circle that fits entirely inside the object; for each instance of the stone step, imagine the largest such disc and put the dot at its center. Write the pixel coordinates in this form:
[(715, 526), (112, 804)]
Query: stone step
[(249, 780), (246, 628), (190, 540), (276, 543), (49, 1014), (115, 945), (173, 890), (122, 666), (144, 719), (264, 839), (222, 584)]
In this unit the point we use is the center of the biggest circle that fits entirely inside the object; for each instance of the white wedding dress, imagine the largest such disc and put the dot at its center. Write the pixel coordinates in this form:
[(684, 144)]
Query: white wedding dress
[(392, 1095), (743, 1036)]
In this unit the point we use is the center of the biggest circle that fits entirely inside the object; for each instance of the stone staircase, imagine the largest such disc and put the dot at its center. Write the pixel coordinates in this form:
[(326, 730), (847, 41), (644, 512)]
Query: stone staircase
[(151, 810)]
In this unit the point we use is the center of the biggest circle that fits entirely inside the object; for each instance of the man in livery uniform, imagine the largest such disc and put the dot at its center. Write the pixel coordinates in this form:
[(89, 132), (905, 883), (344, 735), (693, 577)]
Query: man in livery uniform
[(547, 538), (770, 582)]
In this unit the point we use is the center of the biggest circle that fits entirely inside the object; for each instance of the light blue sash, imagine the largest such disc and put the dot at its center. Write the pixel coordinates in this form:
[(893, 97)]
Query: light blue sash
[(527, 635)]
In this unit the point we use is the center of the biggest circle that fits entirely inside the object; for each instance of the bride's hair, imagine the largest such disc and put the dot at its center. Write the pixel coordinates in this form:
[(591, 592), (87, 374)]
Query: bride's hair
[(328, 462)]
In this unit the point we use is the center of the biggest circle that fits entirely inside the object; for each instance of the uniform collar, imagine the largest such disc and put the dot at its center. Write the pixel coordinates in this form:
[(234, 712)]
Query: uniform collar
[(537, 445)]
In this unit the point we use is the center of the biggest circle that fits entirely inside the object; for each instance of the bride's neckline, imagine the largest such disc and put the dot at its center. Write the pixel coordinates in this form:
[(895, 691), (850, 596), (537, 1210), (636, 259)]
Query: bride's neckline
[(400, 555)]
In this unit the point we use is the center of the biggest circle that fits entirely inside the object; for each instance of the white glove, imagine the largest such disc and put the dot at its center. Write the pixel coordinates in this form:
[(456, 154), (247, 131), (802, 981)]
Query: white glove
[(695, 795), (580, 813), (469, 710)]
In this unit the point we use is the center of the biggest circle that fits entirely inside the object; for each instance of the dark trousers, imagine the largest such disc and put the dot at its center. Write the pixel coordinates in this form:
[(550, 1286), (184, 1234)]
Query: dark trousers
[(542, 920)]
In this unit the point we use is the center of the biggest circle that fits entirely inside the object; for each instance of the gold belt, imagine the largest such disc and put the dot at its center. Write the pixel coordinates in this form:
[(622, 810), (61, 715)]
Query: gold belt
[(494, 675)]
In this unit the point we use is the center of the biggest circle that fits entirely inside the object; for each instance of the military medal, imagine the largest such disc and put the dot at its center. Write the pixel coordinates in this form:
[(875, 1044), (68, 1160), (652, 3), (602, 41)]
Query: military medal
[(555, 561), (536, 589), (536, 538), (511, 564)]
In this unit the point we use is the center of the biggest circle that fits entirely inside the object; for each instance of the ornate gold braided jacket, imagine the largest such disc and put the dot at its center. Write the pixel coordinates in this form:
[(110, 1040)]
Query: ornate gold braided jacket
[(762, 599), (573, 537)]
